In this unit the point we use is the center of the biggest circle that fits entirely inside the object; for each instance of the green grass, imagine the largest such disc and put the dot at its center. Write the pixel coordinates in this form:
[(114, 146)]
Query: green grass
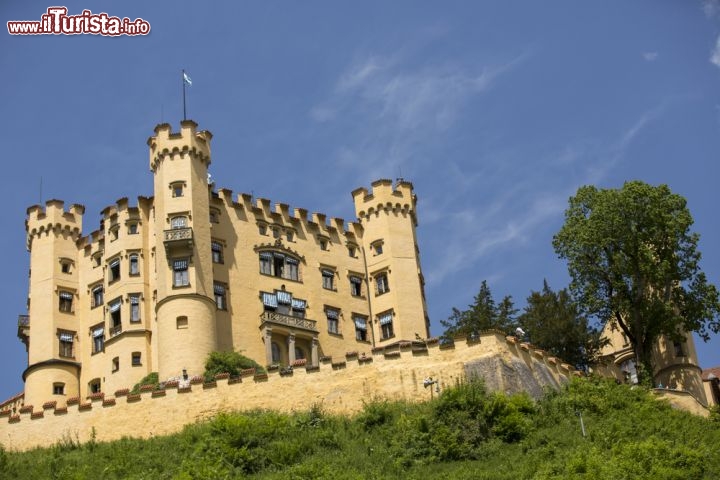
[(464, 433)]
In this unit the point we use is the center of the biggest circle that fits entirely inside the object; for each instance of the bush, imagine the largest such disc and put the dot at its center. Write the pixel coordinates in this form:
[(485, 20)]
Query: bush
[(228, 362), (149, 379)]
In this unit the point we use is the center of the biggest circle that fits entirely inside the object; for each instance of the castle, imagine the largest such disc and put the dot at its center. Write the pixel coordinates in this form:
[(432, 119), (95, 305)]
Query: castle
[(193, 270), (190, 270)]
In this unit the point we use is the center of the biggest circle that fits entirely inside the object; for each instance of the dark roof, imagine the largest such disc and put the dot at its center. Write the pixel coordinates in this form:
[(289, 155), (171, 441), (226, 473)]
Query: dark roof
[(714, 370)]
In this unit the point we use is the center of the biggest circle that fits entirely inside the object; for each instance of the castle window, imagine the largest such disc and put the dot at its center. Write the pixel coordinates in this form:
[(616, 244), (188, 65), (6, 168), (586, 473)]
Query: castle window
[(132, 228), (290, 235), (58, 389), (178, 222), (66, 343), (214, 216), (386, 325), (181, 323), (136, 359), (177, 189), (180, 273), (381, 284), (332, 319), (97, 296), (134, 264), (298, 308), (355, 286), (114, 232), (114, 270), (279, 265), (679, 351), (217, 252), (115, 364), (115, 318), (97, 259), (219, 290), (276, 232), (351, 251), (328, 277), (377, 247), (360, 328), (66, 265), (323, 244), (135, 307), (98, 334), (262, 229), (94, 385), (66, 301), (299, 353), (275, 352)]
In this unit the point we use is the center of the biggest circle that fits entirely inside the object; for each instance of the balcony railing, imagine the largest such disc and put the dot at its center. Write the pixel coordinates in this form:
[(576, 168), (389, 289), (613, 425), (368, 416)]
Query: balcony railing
[(23, 331), (178, 237), (288, 321), (178, 234)]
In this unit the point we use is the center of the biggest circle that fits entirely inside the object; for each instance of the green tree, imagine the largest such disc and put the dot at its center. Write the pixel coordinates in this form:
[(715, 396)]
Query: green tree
[(228, 362), (634, 262), (483, 314), (553, 322)]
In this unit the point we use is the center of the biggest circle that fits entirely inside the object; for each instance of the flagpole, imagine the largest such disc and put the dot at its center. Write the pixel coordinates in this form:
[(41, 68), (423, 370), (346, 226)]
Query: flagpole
[(182, 79)]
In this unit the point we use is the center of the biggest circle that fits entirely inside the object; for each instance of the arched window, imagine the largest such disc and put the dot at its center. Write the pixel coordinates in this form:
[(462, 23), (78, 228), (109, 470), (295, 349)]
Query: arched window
[(275, 353), (178, 222), (299, 353)]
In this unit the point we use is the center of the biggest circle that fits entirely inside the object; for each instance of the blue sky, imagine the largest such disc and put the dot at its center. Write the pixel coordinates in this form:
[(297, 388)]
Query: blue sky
[(496, 111)]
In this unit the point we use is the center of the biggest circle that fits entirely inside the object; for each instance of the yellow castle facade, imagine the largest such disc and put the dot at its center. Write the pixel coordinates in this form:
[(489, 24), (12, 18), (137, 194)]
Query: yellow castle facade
[(193, 270)]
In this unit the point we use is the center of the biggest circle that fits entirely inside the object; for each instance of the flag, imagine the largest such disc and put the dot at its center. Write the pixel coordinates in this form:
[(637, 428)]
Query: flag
[(187, 80)]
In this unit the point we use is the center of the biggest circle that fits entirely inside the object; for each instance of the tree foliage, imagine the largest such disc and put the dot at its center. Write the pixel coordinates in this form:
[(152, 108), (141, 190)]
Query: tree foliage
[(553, 322), (484, 314), (228, 362), (634, 262)]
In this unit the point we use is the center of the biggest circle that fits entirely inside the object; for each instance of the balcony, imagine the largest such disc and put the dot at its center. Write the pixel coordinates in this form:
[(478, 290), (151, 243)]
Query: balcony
[(274, 318), (23, 331), (178, 239)]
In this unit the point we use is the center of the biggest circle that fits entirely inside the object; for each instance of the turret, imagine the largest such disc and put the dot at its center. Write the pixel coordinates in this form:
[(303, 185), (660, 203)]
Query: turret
[(185, 308), (50, 331), (389, 243)]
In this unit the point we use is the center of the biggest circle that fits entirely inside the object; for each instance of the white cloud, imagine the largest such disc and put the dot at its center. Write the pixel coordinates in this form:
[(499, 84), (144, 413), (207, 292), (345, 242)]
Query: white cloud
[(711, 7), (715, 56), (650, 56)]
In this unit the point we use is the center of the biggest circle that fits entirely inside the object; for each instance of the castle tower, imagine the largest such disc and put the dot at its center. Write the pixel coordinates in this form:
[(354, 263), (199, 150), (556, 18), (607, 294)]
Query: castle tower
[(185, 308), (389, 244), (50, 331)]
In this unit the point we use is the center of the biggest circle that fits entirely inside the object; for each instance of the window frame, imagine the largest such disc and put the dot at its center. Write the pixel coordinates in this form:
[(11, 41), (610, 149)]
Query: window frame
[(333, 320), (181, 275), (216, 249), (134, 264), (360, 333), (382, 285), (66, 301), (220, 294), (135, 310), (66, 347), (328, 279)]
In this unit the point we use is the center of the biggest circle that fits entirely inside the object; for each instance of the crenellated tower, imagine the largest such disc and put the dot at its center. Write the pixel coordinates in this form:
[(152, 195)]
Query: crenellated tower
[(50, 330), (185, 308), (396, 285)]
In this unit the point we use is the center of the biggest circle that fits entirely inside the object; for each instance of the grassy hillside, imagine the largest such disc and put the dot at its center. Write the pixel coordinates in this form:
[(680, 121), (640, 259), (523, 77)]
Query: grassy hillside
[(464, 433)]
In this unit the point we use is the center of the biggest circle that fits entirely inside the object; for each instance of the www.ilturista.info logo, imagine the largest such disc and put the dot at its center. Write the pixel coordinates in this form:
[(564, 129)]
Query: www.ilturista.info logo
[(57, 22)]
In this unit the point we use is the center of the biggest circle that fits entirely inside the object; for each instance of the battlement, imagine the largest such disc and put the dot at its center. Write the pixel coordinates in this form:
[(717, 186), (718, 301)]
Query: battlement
[(53, 217), (384, 196), (282, 213), (188, 140)]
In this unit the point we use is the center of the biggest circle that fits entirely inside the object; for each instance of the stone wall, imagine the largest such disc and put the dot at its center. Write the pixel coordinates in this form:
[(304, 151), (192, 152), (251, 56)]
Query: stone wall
[(340, 385)]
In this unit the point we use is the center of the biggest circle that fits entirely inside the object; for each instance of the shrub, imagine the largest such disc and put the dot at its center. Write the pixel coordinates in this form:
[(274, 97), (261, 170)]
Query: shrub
[(228, 362), (151, 379)]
